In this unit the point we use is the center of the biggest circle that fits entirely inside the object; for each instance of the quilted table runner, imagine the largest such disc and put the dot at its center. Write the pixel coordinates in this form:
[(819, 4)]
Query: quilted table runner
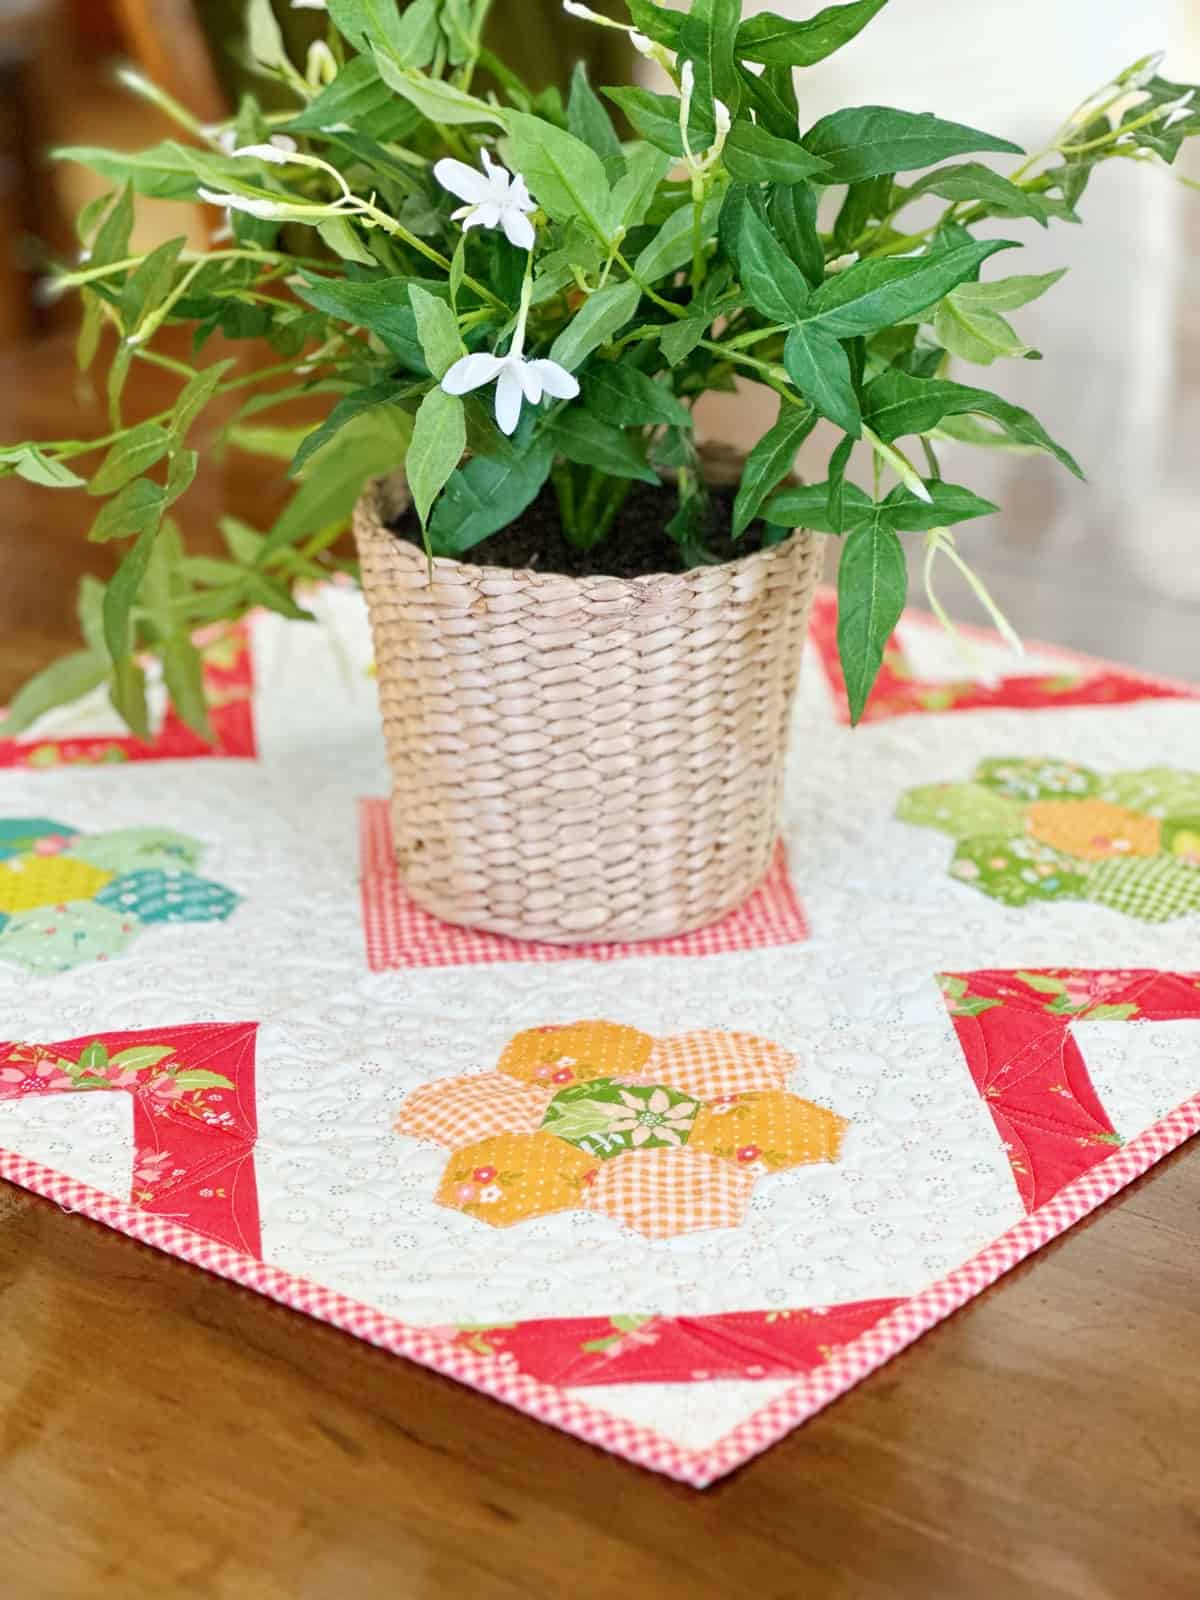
[(672, 1198)]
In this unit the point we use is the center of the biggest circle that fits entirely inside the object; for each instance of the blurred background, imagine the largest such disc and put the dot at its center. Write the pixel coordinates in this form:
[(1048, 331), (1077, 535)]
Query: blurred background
[(1111, 566)]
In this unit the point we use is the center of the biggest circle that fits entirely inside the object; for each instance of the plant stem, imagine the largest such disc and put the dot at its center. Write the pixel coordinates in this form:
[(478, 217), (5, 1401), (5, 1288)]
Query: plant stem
[(647, 290)]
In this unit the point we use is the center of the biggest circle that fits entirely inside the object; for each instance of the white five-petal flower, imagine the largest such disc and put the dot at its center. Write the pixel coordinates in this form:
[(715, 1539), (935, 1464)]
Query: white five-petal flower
[(495, 198), (516, 379)]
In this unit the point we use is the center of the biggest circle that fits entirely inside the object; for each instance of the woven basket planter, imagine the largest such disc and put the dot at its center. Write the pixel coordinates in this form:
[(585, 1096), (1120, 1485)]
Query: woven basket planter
[(583, 759)]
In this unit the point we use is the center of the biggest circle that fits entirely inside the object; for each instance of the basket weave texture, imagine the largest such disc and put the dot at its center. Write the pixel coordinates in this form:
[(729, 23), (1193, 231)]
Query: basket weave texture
[(580, 759)]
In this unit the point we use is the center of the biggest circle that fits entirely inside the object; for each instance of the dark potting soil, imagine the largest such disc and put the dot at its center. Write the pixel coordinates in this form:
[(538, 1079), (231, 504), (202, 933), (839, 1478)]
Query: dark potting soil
[(637, 543)]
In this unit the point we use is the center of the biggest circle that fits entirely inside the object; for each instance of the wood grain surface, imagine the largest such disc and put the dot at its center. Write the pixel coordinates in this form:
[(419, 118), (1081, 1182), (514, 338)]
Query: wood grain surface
[(163, 1433)]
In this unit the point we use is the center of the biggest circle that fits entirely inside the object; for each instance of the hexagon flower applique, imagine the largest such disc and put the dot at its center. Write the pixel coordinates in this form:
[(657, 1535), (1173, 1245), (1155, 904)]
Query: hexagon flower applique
[(662, 1136), (68, 897), (1034, 829)]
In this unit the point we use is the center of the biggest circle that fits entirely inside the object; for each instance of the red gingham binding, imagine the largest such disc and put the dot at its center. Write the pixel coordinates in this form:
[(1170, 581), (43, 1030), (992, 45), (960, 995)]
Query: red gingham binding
[(846, 1366)]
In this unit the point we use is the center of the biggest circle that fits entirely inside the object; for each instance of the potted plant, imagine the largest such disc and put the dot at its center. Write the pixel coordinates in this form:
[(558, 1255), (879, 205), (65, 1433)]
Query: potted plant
[(588, 631)]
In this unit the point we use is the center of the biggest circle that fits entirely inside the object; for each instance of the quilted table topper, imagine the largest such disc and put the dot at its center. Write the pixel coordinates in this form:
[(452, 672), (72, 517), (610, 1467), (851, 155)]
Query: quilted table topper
[(673, 1197)]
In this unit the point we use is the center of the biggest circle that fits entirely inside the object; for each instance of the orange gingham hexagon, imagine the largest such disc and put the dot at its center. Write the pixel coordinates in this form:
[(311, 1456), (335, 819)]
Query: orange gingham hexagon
[(575, 1053), (662, 1193), (513, 1177), (458, 1111), (770, 1131), (710, 1064)]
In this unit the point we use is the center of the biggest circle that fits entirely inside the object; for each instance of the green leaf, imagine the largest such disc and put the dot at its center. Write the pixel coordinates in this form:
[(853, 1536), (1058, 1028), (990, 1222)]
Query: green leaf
[(974, 333), (162, 171), (122, 590), (345, 412), (897, 404), (358, 97), (1008, 294), (139, 505), (149, 284), (200, 1078), (62, 682), (773, 282), (776, 41), (770, 461), (263, 35), (671, 248), (112, 240), (772, 96), (130, 457), (619, 393), (793, 212), (437, 329), (383, 306), (645, 168), (590, 123), (578, 435), (974, 181), (183, 674), (417, 33), (872, 585), (598, 319), (835, 502), (341, 238), (127, 693), (752, 155), (137, 1057), (566, 178), (486, 494), (807, 506), (180, 475), (438, 441), (948, 503), (1042, 983), (654, 116), (678, 339), (94, 1057), (656, 23), (820, 368), (372, 443), (875, 294), (194, 396), (706, 38), (867, 141), (438, 101), (30, 463)]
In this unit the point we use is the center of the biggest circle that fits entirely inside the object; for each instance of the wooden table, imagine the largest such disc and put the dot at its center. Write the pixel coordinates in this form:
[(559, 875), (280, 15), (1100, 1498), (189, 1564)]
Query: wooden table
[(166, 1434)]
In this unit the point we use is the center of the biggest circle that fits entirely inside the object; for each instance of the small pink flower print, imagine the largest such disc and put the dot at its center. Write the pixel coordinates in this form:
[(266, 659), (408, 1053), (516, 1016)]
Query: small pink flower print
[(545, 1073), (484, 1174), (465, 1193), (563, 1075), (723, 1105), (489, 1195), (51, 844), (749, 1152)]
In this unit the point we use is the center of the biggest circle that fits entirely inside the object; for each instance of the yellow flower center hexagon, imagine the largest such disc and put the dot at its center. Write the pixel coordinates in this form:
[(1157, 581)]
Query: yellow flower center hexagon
[(29, 881), (1093, 830), (514, 1177), (576, 1053)]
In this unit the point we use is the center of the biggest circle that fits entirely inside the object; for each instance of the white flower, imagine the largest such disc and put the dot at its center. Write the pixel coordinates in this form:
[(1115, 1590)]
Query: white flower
[(495, 198), (1178, 110), (279, 150), (308, 5), (516, 379), (267, 209)]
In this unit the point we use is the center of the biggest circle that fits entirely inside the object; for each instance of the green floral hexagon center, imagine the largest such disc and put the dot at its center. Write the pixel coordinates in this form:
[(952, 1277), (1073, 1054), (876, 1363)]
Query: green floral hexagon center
[(608, 1119)]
